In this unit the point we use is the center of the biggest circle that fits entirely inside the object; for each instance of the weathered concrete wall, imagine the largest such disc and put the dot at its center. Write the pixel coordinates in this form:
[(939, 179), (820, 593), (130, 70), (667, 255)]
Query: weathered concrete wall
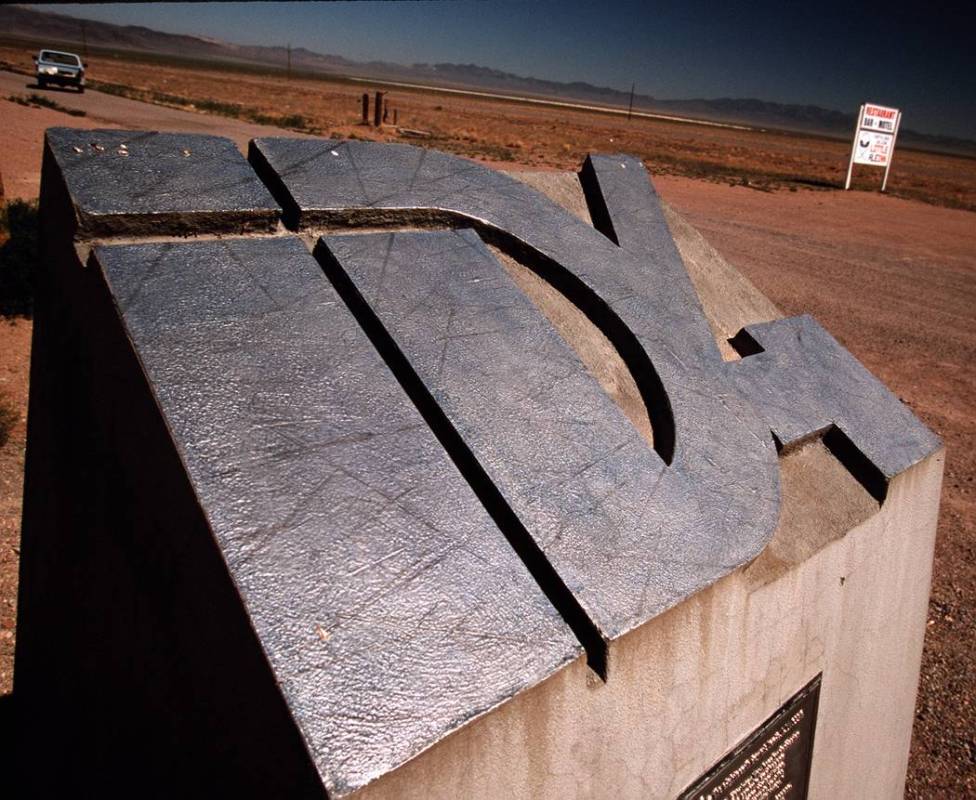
[(690, 685)]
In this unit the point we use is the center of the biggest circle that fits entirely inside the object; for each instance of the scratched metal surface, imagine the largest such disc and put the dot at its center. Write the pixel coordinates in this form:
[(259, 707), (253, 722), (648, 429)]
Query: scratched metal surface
[(389, 605), (804, 381), (621, 185), (133, 181), (716, 505), (569, 463)]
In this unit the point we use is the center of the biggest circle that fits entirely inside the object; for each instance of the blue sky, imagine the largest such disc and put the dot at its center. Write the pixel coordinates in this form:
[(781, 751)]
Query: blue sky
[(833, 55)]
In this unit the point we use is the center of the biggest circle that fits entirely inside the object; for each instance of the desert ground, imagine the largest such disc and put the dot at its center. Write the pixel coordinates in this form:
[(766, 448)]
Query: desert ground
[(505, 132), (893, 276)]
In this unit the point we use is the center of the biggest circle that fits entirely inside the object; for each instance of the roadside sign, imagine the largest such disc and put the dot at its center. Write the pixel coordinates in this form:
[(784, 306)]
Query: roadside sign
[(874, 139)]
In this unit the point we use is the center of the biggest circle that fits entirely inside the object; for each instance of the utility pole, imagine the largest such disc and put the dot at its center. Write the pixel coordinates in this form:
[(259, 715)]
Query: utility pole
[(289, 62), (84, 41), (630, 108)]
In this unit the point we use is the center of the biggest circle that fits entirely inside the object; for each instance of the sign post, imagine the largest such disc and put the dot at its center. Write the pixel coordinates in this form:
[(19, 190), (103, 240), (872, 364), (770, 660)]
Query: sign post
[(850, 163), (874, 139), (894, 136)]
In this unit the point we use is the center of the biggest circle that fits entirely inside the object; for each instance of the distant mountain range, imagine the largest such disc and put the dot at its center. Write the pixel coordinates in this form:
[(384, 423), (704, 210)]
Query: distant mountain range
[(43, 26)]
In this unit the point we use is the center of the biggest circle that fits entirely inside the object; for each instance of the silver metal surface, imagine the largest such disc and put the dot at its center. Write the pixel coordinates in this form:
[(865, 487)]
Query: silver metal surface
[(388, 604)]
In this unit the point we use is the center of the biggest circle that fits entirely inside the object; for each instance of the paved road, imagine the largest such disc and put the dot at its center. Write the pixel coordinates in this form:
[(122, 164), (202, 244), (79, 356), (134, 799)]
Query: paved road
[(22, 130), (112, 111)]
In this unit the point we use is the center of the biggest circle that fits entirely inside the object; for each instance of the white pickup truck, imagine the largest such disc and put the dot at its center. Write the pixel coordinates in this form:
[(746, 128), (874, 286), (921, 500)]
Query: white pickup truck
[(64, 69)]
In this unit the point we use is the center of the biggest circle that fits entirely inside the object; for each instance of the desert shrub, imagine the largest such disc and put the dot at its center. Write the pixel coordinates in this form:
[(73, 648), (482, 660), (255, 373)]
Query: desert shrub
[(218, 107), (46, 102), (294, 121), (18, 257), (297, 122), (39, 101), (116, 89)]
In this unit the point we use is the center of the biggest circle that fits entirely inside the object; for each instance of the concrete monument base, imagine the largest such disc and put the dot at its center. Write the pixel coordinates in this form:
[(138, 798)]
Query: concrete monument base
[(364, 471)]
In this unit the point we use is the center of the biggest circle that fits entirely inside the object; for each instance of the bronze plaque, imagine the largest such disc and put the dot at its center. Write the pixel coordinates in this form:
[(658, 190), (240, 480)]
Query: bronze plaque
[(773, 763)]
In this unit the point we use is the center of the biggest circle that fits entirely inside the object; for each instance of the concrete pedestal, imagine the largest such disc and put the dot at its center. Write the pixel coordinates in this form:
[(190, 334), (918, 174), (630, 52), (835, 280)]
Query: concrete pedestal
[(362, 470)]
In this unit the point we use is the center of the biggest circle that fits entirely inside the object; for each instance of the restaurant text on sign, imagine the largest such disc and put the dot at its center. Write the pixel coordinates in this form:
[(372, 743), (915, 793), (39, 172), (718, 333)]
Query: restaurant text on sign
[(879, 118)]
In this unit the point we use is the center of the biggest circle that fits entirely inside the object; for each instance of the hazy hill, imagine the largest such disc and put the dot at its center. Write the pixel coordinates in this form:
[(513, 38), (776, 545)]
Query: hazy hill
[(19, 22)]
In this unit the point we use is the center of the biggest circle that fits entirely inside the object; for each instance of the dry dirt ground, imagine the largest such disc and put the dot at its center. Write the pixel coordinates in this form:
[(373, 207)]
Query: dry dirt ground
[(894, 279), (533, 136)]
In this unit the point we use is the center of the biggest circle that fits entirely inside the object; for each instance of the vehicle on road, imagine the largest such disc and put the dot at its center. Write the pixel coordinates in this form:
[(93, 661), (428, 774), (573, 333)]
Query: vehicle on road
[(63, 69)]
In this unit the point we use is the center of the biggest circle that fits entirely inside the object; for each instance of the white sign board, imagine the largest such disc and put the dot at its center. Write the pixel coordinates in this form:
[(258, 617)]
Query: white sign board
[(874, 139), (873, 148)]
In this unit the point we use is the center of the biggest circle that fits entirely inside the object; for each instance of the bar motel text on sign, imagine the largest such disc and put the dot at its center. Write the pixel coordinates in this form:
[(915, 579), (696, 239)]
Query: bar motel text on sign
[(874, 139)]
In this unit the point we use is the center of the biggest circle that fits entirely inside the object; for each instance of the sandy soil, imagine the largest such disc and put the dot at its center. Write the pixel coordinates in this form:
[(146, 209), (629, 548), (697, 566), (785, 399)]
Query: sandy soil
[(15, 338), (893, 279), (895, 282)]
